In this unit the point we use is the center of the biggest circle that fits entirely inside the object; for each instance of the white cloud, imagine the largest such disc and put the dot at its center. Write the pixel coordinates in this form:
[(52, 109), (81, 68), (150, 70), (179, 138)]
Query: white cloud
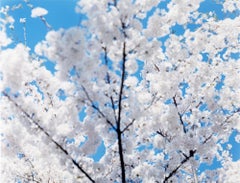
[(37, 12), (4, 39)]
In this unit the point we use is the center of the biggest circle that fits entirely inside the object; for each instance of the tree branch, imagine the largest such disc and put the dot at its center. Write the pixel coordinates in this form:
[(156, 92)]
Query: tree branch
[(164, 135), (154, 99), (119, 132), (97, 109), (34, 122), (130, 124), (108, 82), (179, 114), (174, 171)]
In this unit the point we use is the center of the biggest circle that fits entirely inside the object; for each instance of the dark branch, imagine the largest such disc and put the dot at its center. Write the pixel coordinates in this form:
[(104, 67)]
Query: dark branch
[(119, 132), (179, 114), (108, 82), (182, 123), (154, 99), (48, 136), (97, 109), (121, 87), (156, 67), (174, 171), (130, 124), (164, 135), (207, 139), (107, 120)]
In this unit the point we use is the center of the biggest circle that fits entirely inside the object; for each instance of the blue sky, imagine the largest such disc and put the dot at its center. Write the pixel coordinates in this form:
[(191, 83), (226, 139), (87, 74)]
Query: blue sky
[(61, 14)]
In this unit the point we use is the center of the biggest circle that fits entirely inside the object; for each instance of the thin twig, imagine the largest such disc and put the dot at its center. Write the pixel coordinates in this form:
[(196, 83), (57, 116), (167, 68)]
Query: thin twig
[(97, 108), (164, 135), (130, 124), (108, 82), (179, 114)]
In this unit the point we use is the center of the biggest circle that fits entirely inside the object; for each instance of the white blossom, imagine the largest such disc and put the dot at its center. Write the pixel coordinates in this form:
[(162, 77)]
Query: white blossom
[(125, 102), (38, 12)]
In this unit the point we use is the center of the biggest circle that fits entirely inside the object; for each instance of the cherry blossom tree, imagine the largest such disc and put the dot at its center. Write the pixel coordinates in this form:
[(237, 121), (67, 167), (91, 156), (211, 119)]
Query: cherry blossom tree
[(160, 103)]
